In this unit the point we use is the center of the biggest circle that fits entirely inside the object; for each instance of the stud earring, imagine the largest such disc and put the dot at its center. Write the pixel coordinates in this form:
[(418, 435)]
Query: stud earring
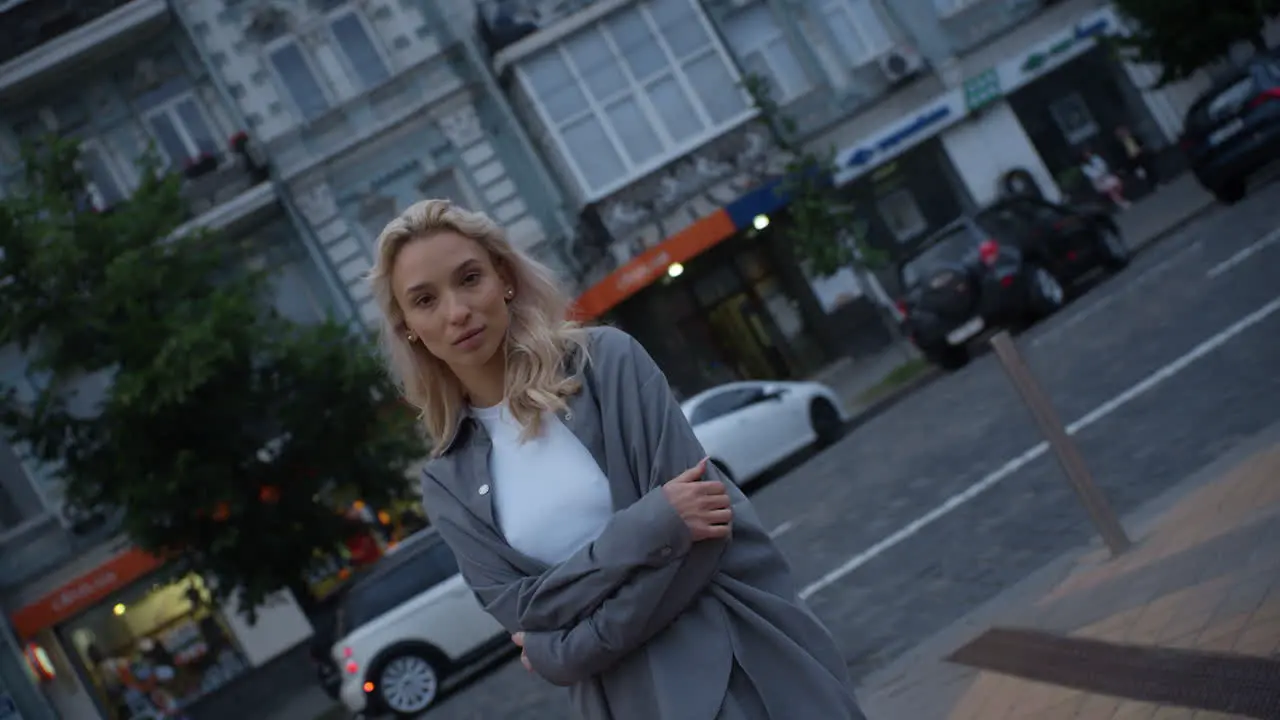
[(511, 293), (411, 338)]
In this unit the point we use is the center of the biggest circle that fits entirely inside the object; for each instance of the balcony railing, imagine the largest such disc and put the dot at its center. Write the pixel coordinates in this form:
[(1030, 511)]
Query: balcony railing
[(503, 23), (38, 37), (28, 24), (208, 188)]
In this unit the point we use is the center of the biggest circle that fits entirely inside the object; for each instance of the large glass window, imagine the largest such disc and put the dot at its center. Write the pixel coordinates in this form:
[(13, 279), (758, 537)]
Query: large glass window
[(154, 649), (857, 29), (299, 80), (181, 130), (641, 87), (757, 38), (363, 58)]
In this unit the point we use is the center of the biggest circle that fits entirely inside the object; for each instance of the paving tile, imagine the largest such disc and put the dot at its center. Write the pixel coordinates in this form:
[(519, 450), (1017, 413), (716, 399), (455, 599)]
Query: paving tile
[(1172, 713), (1259, 638), (1131, 710)]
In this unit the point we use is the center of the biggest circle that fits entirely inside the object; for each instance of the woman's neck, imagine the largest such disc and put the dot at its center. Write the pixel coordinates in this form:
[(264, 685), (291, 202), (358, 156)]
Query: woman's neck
[(485, 384)]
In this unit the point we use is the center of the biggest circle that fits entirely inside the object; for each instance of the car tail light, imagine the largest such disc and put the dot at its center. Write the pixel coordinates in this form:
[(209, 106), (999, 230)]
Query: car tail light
[(988, 251), (352, 667), (1266, 96), (368, 687), (1006, 281), (903, 308)]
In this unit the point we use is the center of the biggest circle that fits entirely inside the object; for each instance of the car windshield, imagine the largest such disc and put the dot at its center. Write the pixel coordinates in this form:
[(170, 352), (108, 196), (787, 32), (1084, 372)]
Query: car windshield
[(953, 247), (1224, 102), (411, 573)]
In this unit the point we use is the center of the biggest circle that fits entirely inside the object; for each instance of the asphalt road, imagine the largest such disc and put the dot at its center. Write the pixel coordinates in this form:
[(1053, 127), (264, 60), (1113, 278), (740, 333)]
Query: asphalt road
[(835, 511)]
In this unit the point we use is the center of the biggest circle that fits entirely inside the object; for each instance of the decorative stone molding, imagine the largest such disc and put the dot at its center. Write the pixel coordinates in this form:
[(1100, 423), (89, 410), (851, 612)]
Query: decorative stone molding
[(461, 126), (661, 204)]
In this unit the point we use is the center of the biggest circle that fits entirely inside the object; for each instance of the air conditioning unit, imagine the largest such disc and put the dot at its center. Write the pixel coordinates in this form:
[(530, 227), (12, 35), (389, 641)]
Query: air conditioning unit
[(901, 63)]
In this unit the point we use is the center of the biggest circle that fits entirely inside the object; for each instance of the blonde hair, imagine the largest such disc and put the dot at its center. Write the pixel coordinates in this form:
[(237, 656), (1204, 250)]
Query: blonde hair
[(538, 339)]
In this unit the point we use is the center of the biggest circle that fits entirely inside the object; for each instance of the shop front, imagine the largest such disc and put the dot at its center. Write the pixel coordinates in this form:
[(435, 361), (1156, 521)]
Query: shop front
[(724, 299), (136, 639)]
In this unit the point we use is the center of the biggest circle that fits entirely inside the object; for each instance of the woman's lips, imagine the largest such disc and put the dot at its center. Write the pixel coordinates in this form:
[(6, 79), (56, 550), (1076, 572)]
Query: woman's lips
[(469, 338)]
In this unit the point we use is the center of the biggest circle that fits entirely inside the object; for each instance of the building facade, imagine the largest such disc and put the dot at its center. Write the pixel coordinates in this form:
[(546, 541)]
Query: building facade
[(641, 110), (301, 127)]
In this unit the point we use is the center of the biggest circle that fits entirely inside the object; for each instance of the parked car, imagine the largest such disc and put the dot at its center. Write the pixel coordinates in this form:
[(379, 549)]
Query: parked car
[(748, 427), (405, 627), (1008, 264), (1233, 129)]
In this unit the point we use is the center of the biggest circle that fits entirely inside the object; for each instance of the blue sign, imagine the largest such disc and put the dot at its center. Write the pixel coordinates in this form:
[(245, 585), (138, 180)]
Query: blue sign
[(923, 121), (8, 708)]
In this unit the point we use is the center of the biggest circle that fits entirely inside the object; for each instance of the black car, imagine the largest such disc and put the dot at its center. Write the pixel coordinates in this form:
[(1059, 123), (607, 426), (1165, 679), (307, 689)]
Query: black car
[(1005, 265), (1233, 129)]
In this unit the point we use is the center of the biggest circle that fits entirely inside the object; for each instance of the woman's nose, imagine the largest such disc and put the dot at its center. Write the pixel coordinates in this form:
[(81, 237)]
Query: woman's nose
[(456, 310)]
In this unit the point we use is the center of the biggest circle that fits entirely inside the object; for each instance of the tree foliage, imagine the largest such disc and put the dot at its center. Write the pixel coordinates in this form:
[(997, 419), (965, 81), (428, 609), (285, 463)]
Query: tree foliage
[(224, 434), (1183, 36), (823, 229)]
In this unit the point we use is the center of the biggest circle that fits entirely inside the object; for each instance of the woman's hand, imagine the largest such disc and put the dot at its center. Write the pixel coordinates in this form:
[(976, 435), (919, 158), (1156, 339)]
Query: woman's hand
[(704, 505), (518, 639)]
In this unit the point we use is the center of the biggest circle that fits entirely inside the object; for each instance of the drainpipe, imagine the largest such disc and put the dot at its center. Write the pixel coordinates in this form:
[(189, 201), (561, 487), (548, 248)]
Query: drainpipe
[(481, 66), (330, 274)]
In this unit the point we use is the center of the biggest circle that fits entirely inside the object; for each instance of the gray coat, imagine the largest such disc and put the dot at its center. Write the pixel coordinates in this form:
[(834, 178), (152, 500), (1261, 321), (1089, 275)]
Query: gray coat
[(643, 624)]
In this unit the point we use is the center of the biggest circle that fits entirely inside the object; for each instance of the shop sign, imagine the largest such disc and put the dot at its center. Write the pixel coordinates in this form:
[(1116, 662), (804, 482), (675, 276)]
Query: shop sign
[(1076, 41), (982, 90), (932, 117), (81, 593)]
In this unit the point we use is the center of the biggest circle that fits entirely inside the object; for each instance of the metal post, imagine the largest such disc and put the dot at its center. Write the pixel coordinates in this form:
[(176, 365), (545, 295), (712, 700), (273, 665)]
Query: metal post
[(1055, 433)]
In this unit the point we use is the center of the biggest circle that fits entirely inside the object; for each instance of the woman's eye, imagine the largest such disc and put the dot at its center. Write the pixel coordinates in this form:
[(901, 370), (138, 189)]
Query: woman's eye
[(424, 301), (471, 278)]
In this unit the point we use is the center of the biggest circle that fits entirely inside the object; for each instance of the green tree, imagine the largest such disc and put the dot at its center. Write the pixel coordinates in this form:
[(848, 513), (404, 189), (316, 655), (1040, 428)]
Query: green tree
[(822, 229), (226, 435), (1183, 36)]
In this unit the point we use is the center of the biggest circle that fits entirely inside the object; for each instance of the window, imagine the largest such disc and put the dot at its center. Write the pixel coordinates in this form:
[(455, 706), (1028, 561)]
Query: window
[(857, 29), (1072, 116), (902, 214), (633, 91), (181, 129), (957, 246), (757, 38), (171, 630), (363, 59), (299, 81), (410, 576), (101, 179), (722, 404)]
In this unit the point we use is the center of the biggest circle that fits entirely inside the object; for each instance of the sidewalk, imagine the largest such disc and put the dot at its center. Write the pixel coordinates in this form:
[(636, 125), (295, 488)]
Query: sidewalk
[(1168, 208), (1198, 596)]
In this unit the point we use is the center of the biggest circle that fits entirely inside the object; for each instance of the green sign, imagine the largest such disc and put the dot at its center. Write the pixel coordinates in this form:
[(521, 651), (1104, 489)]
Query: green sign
[(982, 90)]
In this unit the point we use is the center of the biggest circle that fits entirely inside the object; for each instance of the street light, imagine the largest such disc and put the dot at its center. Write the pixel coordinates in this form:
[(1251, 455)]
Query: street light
[(675, 270), (760, 222)]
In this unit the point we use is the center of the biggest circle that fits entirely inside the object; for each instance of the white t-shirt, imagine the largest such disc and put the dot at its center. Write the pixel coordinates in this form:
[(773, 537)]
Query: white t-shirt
[(550, 496)]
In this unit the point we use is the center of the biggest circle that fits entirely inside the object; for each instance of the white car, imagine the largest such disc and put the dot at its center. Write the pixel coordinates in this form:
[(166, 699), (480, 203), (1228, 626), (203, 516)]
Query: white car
[(405, 626), (748, 427)]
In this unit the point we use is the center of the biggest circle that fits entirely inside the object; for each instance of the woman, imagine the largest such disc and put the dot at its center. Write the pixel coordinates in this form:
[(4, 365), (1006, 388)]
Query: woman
[(1104, 181), (578, 501)]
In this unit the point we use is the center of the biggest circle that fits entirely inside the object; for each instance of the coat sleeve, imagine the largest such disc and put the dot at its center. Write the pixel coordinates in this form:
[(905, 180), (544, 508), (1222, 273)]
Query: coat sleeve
[(654, 597), (648, 534)]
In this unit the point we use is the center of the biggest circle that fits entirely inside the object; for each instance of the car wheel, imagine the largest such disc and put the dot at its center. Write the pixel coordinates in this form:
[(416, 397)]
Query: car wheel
[(825, 420), (948, 358), (1115, 251), (1047, 294), (408, 682), (1230, 193)]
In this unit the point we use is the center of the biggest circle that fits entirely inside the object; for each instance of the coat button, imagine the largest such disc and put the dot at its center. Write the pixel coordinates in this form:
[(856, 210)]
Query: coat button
[(484, 489), (568, 414)]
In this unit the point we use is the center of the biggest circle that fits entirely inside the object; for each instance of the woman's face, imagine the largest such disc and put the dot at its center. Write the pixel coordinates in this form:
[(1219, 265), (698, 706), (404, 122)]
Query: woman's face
[(453, 297)]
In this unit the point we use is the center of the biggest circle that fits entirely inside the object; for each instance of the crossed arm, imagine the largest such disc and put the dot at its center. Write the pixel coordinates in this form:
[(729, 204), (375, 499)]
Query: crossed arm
[(583, 615)]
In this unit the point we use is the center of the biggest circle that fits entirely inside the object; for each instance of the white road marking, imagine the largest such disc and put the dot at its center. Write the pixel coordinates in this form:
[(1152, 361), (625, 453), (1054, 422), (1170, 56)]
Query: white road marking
[(1258, 246), (781, 529), (1176, 366)]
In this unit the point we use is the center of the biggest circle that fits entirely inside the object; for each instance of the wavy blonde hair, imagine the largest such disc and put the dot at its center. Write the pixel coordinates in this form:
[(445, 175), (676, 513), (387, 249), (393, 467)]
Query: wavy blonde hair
[(538, 339)]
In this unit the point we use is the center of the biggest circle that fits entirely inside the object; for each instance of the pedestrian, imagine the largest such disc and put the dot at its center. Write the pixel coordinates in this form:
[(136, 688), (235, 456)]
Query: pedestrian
[(578, 500), (1103, 179), (1136, 156)]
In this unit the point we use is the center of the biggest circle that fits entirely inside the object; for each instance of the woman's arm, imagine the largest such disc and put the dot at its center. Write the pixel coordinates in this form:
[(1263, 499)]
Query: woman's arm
[(652, 598), (648, 534)]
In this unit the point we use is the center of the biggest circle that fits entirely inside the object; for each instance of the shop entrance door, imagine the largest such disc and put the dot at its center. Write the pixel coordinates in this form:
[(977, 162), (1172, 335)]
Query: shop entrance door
[(739, 327)]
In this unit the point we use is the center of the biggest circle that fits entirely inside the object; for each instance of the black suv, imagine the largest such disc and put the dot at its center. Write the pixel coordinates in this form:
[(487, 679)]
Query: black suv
[(1233, 129), (1005, 265)]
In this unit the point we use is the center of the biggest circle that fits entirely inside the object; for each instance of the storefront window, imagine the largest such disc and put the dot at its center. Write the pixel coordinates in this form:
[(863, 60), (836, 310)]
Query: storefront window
[(154, 649)]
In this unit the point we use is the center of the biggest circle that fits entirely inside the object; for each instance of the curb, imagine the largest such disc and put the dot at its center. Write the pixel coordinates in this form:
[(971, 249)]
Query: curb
[(874, 409), (1175, 226)]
